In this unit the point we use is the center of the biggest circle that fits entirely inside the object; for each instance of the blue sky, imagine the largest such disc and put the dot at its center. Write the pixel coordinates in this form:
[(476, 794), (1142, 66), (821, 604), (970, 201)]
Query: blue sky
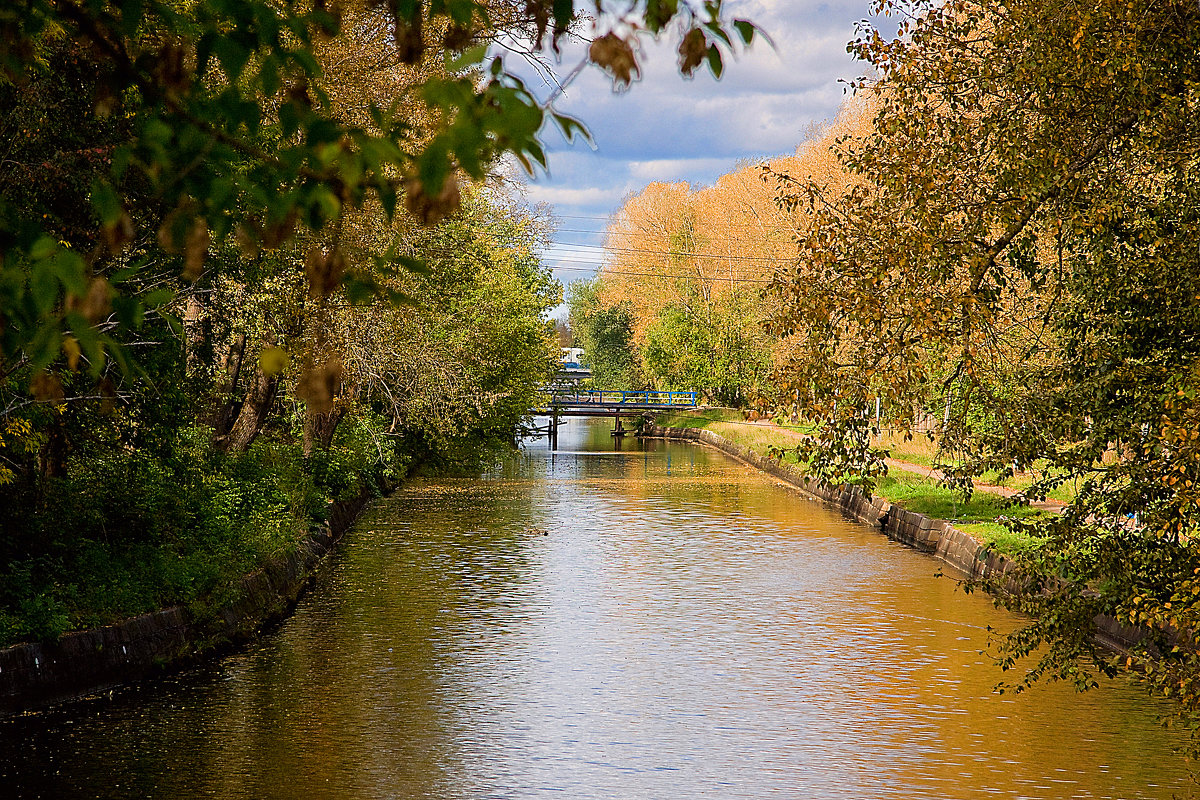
[(667, 128)]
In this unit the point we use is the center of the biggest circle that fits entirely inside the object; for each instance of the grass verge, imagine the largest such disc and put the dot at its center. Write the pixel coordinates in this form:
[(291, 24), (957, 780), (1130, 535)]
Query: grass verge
[(980, 516)]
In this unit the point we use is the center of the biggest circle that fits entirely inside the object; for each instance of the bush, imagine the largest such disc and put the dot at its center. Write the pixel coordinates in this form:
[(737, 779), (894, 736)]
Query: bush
[(133, 531)]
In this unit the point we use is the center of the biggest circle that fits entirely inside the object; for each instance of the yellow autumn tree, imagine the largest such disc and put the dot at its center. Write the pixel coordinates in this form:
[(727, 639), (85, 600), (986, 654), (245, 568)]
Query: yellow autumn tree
[(691, 266)]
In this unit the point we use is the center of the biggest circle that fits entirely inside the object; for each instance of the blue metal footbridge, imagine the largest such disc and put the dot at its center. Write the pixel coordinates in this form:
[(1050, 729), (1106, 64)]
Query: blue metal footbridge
[(615, 403), (604, 402)]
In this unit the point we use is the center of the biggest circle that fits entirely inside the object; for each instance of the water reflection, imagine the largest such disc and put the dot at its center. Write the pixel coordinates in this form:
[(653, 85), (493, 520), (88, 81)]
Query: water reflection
[(652, 623)]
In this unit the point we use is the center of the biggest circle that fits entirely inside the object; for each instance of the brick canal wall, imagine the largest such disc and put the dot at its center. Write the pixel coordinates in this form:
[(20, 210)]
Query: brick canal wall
[(41, 674), (936, 537)]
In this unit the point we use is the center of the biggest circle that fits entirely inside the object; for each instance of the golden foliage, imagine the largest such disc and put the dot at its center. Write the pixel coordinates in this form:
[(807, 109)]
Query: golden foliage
[(672, 245)]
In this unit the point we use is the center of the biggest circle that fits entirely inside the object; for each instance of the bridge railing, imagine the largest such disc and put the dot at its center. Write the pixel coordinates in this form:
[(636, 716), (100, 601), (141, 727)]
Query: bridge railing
[(621, 397)]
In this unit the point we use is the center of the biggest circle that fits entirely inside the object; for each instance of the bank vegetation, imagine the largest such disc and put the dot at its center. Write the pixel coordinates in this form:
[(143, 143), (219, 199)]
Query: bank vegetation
[(258, 257), (993, 247)]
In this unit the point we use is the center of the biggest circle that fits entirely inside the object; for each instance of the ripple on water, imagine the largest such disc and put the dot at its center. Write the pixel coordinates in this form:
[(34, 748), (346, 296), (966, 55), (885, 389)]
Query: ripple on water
[(662, 624)]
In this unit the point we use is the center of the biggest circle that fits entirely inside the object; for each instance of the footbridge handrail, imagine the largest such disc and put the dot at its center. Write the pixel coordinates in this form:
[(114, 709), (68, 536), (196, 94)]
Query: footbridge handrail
[(610, 397)]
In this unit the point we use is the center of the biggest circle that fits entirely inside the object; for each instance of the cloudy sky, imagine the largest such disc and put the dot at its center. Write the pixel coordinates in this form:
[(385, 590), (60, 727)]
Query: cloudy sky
[(666, 128)]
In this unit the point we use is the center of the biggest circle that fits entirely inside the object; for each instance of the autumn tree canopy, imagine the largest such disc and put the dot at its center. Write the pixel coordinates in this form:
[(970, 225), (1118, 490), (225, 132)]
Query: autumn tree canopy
[(687, 268), (1015, 257), (220, 122)]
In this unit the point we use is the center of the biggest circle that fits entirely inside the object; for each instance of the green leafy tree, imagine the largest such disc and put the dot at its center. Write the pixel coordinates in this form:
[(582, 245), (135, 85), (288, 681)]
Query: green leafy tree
[(462, 364), (717, 349), (229, 128), (1016, 259), (606, 335)]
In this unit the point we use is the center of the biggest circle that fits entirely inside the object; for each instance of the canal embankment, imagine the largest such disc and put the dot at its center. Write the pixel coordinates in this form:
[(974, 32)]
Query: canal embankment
[(969, 555), (82, 663), (613, 621)]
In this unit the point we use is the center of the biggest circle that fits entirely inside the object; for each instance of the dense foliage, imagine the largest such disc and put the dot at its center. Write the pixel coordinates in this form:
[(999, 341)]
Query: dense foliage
[(676, 305), (606, 335), (1011, 259), (253, 259)]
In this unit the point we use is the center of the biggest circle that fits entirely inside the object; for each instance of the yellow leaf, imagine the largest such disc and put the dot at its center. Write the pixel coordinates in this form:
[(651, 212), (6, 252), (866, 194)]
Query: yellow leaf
[(273, 360), (71, 350)]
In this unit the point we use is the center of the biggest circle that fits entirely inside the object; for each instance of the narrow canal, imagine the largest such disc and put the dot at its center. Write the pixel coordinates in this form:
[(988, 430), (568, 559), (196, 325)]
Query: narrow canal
[(655, 623)]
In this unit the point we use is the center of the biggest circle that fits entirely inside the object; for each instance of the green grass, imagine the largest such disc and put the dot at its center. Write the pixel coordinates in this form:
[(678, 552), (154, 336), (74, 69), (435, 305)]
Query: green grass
[(977, 517), (920, 450), (926, 496), (732, 426), (999, 538), (922, 494)]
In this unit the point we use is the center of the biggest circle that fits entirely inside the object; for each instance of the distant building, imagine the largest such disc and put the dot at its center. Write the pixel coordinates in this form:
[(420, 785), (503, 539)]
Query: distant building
[(572, 357)]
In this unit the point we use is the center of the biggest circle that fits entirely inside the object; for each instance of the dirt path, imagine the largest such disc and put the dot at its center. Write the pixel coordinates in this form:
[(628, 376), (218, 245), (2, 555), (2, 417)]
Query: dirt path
[(1003, 491), (916, 469)]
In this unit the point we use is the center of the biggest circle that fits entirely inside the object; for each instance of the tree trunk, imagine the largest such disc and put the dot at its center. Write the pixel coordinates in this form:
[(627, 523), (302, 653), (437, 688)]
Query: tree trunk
[(224, 417), (253, 414), (195, 337), (52, 456), (319, 429)]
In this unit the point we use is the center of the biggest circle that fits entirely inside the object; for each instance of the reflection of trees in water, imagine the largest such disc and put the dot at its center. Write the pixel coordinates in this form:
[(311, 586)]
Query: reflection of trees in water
[(591, 620)]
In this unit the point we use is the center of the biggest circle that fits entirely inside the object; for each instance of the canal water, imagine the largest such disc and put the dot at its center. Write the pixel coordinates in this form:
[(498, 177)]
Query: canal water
[(658, 621)]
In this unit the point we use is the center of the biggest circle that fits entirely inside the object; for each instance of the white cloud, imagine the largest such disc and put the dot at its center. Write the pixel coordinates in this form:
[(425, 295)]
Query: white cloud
[(676, 169), (585, 196), (666, 128)]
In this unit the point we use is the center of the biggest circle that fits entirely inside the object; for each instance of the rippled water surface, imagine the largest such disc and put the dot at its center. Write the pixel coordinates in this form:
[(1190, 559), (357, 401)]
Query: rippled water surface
[(658, 623)]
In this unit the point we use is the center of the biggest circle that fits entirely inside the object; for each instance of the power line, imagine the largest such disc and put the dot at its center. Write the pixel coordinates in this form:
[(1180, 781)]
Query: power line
[(641, 233), (729, 421), (675, 253), (609, 271), (609, 218)]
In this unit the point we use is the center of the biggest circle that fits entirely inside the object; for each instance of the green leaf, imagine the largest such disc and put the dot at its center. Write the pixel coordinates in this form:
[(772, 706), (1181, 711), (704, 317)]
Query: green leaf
[(539, 155), (232, 56), (745, 30), (129, 311), (132, 12), (417, 266), (158, 298), (570, 127), (401, 299), (268, 76), (563, 10), (387, 198), (45, 345), (471, 57), (89, 341), (717, 30), (321, 130), (204, 51), (106, 202), (323, 206), (433, 165), (43, 247), (359, 289), (71, 270), (714, 61), (659, 13), (43, 285), (289, 119)]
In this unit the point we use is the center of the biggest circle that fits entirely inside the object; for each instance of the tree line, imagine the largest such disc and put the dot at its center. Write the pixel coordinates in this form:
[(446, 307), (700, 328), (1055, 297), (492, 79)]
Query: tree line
[(996, 240), (259, 256)]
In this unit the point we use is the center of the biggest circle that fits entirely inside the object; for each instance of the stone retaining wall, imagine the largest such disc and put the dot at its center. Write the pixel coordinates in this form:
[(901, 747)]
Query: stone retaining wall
[(40, 674), (937, 537)]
